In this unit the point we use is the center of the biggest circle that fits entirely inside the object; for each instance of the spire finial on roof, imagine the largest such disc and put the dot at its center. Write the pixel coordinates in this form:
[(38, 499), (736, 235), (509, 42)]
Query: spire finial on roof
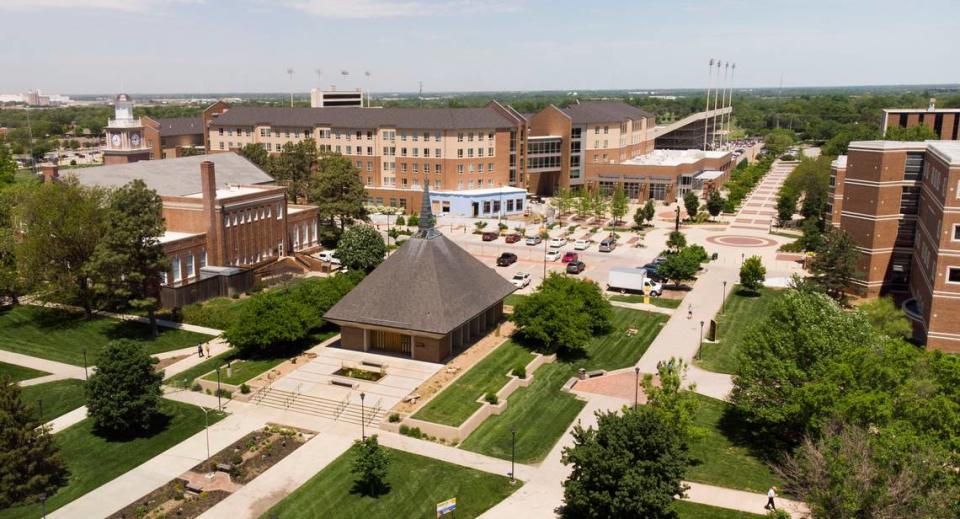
[(426, 226)]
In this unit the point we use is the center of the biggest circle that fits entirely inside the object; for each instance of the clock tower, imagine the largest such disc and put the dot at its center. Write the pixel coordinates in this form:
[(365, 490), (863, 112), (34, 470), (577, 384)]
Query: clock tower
[(124, 135)]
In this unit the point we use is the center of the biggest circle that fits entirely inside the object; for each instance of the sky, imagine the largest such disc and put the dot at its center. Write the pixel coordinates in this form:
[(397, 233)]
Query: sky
[(199, 46)]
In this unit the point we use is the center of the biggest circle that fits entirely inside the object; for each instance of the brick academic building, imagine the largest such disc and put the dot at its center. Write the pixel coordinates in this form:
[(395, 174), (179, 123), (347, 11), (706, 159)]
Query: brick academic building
[(900, 202)]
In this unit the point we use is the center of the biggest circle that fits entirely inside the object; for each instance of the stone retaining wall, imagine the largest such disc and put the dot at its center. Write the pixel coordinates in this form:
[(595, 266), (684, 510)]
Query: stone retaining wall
[(457, 434)]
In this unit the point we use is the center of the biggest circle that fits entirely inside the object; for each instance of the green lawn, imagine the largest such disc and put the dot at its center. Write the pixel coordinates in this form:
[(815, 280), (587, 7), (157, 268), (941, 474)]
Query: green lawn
[(724, 462), (17, 373), (63, 336), (243, 370), (458, 401), (59, 397), (689, 510), (416, 485), (742, 310), (93, 461), (542, 412), (662, 302), (513, 299), (185, 378)]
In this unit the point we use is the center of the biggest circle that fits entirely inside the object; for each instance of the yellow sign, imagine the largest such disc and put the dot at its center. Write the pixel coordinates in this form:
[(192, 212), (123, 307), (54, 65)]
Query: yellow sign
[(446, 507)]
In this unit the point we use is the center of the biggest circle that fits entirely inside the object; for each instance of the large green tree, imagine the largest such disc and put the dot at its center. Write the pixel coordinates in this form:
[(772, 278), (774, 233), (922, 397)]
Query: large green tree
[(630, 466), (12, 285), (649, 211), (782, 354), (715, 203), (62, 223), (338, 192), (777, 141), (563, 314), (888, 320), (129, 259), (919, 132), (256, 153), (361, 247), (30, 461), (270, 322), (123, 393), (692, 204), (8, 166), (681, 266), (294, 167), (752, 273), (835, 264)]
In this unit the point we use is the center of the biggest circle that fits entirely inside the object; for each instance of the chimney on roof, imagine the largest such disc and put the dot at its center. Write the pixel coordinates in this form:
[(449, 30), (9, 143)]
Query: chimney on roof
[(208, 191), (50, 172), (933, 104)]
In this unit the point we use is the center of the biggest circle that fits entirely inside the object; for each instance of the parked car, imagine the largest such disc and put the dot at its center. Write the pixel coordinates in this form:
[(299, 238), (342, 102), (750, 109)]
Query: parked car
[(520, 279), (512, 238), (490, 236), (651, 270), (658, 260), (570, 256), (534, 240), (557, 242), (575, 267), (506, 259), (553, 255), (581, 244), (328, 256), (607, 245)]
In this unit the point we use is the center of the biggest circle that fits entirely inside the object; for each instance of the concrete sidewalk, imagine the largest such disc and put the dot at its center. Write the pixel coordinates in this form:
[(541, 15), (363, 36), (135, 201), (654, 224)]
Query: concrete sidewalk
[(740, 500), (66, 420), (217, 346), (126, 317), (644, 307), (50, 366), (142, 480)]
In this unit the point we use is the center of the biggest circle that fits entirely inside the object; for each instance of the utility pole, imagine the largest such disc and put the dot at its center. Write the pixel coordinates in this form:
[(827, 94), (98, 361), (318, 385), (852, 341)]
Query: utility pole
[(367, 73), (716, 106), (707, 109), (729, 116), (420, 94)]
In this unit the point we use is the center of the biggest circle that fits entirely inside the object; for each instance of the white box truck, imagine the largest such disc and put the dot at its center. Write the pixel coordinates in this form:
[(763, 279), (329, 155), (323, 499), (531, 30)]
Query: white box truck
[(637, 280)]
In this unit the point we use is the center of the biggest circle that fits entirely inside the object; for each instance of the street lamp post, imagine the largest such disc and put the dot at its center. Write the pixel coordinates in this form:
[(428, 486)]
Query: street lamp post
[(700, 344), (723, 302), (677, 223), (219, 405), (363, 430), (85, 364), (40, 406), (544, 260), (636, 388), (742, 255), (43, 505), (513, 454)]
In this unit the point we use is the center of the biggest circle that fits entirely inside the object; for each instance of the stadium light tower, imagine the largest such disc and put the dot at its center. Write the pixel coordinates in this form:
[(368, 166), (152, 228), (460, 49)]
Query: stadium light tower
[(290, 73)]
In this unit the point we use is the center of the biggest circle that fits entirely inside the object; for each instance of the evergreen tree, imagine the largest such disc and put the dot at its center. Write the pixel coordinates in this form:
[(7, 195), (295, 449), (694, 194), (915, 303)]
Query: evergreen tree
[(835, 263), (649, 211), (692, 204), (30, 461), (715, 203), (294, 168), (123, 394), (639, 217), (338, 192), (128, 259)]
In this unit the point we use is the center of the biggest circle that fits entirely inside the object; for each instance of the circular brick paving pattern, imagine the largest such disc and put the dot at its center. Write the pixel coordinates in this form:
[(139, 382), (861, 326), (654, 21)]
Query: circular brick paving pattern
[(741, 241)]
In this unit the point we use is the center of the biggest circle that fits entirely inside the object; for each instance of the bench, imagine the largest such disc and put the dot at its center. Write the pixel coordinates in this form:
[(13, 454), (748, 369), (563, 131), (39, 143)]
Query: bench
[(193, 488), (225, 467), (379, 365), (412, 398), (344, 383), (596, 373)]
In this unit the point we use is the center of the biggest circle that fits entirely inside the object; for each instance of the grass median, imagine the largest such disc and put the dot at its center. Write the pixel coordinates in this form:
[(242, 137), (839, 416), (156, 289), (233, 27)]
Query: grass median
[(93, 460), (416, 485), (17, 373), (59, 397), (459, 400), (742, 309)]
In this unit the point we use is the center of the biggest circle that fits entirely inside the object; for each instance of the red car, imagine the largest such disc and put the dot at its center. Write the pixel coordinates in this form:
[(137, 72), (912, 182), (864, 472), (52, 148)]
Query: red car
[(570, 256), (512, 238), (490, 236)]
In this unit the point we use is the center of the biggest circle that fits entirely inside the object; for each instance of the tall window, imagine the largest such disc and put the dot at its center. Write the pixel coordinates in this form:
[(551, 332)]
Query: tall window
[(175, 265), (189, 273)]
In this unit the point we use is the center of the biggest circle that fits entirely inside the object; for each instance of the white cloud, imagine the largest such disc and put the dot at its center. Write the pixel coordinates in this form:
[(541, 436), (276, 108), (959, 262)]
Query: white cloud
[(395, 8), (130, 6)]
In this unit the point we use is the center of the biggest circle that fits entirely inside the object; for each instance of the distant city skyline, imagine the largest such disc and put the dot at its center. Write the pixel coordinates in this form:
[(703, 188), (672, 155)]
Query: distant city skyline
[(247, 46)]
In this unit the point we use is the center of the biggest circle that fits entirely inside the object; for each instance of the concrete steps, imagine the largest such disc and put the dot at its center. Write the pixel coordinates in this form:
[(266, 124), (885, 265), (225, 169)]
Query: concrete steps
[(346, 411)]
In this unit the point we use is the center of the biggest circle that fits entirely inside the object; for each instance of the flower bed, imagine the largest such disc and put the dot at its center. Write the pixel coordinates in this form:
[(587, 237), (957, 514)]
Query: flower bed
[(362, 374)]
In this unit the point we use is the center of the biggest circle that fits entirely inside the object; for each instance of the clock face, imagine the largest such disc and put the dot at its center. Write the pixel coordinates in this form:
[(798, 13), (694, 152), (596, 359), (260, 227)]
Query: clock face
[(115, 139), (135, 139)]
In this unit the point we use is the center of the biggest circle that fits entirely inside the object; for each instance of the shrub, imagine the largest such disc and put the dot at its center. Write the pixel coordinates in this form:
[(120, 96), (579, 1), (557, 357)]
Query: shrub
[(520, 372), (400, 220), (699, 252), (394, 418), (244, 389), (413, 432), (223, 393), (268, 320), (413, 220), (491, 398), (196, 387)]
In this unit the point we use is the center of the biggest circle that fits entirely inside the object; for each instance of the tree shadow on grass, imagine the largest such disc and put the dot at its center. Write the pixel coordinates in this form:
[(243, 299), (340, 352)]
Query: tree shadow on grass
[(50, 319), (761, 443), (745, 292), (158, 423), (370, 489)]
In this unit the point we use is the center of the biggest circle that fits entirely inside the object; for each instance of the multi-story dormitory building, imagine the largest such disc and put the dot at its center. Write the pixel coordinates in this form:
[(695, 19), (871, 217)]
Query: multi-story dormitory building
[(482, 161), (900, 202)]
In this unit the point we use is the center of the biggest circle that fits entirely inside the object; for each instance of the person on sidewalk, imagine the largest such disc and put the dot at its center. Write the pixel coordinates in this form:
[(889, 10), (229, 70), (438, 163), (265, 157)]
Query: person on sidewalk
[(772, 493), (200, 350), (689, 311), (207, 347)]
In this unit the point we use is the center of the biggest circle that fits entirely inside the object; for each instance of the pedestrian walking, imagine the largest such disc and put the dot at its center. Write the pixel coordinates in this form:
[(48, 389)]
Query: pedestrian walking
[(207, 347), (200, 350), (772, 493), (689, 311)]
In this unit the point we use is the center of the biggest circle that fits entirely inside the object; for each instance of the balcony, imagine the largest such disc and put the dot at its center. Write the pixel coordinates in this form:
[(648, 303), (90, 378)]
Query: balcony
[(124, 123)]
